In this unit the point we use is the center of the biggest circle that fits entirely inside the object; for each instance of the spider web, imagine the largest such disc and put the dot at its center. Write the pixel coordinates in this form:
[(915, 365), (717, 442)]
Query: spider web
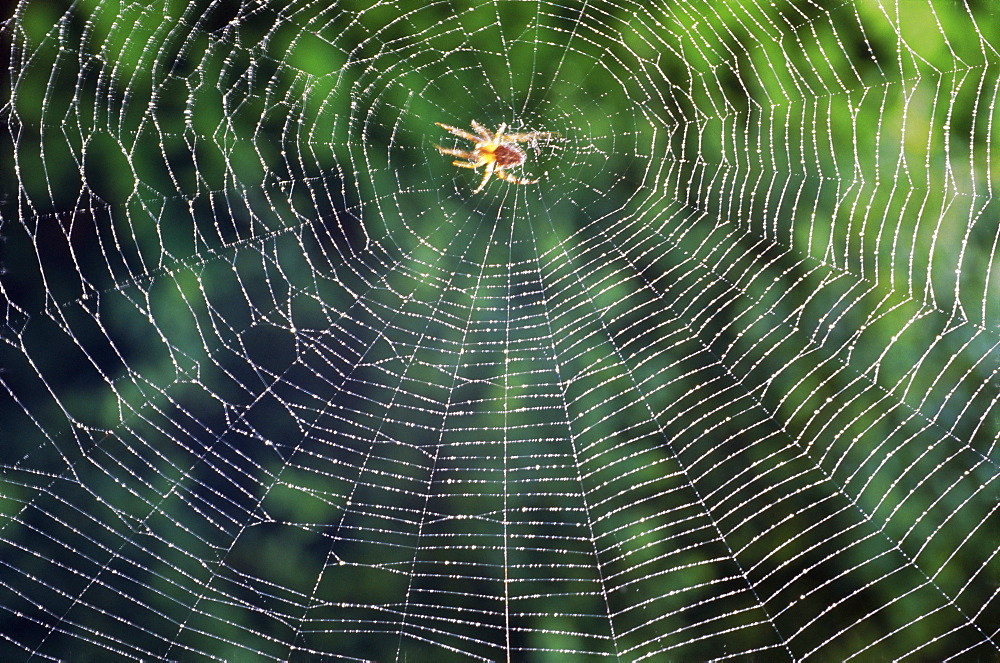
[(278, 385)]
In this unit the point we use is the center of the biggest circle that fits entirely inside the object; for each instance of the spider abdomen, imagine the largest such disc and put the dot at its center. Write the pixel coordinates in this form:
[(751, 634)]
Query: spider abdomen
[(508, 156)]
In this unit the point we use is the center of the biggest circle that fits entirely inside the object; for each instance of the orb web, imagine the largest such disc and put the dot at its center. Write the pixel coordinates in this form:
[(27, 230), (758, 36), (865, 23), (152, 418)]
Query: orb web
[(279, 383)]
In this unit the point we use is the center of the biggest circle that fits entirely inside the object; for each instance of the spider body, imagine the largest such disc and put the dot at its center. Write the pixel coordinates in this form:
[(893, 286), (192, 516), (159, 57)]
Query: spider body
[(506, 156), (496, 151)]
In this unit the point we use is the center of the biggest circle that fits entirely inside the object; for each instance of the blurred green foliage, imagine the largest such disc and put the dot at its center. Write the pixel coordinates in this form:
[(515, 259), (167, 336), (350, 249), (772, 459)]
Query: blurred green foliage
[(280, 384)]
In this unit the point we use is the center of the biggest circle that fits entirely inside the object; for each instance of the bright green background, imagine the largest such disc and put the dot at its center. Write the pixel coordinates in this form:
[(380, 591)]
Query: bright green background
[(750, 312)]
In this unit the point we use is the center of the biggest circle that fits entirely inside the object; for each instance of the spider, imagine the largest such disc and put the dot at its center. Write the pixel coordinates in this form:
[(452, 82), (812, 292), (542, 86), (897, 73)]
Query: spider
[(497, 152)]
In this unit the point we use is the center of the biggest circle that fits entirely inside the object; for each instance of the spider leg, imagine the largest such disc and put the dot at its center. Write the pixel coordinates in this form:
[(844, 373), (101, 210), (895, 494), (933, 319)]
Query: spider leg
[(461, 133), (455, 153), (483, 132), (514, 178), (486, 176), (467, 164)]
